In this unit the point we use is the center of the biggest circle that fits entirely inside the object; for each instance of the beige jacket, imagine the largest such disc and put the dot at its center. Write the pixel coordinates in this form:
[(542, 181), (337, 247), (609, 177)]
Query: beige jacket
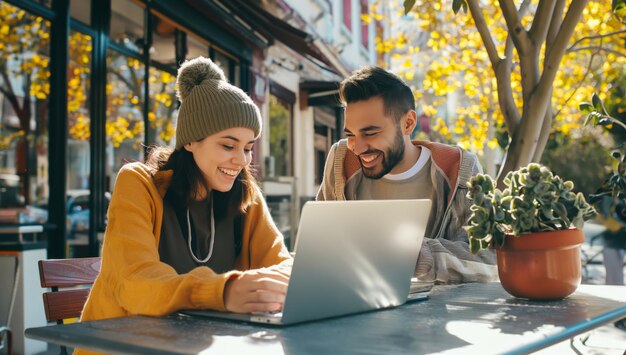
[(445, 255)]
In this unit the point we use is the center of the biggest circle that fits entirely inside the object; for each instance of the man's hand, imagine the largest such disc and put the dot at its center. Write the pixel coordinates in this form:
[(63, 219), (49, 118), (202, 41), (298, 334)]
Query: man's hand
[(260, 290)]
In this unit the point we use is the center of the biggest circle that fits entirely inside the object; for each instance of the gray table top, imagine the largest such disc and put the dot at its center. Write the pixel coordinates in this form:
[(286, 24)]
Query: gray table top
[(472, 318)]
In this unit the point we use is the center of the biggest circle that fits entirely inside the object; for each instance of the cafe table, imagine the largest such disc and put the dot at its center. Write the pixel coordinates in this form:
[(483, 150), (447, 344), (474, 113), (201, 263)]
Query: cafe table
[(476, 318)]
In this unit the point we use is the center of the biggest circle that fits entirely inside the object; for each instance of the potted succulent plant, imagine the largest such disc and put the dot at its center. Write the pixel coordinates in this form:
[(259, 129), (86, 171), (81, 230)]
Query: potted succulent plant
[(535, 225)]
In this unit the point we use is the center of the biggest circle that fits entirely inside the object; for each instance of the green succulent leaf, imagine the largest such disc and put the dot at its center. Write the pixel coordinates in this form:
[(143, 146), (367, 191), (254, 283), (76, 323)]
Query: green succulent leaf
[(619, 10), (474, 245), (456, 6), (585, 107), (597, 103), (616, 154), (408, 5)]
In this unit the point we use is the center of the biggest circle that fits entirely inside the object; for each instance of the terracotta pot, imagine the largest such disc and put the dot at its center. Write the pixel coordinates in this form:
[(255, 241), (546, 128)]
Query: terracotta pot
[(541, 266)]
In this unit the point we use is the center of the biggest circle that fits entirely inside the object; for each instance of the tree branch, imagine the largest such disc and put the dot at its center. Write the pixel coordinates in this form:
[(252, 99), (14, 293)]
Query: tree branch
[(555, 53), (543, 17), (516, 30), (503, 70), (527, 51), (483, 30), (10, 94), (505, 96), (594, 37), (136, 87), (580, 83), (25, 115), (505, 93), (555, 24), (598, 49), (508, 47), (123, 79), (524, 6)]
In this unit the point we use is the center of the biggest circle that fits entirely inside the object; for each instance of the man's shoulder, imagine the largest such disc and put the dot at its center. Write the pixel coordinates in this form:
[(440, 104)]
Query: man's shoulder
[(439, 149)]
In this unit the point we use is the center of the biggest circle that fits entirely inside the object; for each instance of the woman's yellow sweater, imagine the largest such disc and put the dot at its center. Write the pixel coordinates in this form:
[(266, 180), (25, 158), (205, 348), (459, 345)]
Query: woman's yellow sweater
[(133, 280)]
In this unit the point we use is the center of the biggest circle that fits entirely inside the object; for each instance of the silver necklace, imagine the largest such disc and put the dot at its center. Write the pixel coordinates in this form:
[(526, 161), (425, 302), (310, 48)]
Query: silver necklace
[(212, 237)]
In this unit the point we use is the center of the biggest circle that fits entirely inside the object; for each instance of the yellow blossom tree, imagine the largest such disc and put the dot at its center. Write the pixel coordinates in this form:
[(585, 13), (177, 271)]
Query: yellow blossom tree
[(24, 41), (519, 70), (24, 78)]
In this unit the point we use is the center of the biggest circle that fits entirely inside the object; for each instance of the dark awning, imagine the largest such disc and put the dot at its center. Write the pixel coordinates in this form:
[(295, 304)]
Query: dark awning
[(259, 26), (221, 15), (320, 93)]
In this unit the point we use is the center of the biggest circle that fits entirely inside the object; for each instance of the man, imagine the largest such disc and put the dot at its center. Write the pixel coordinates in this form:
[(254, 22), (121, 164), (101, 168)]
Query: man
[(378, 160)]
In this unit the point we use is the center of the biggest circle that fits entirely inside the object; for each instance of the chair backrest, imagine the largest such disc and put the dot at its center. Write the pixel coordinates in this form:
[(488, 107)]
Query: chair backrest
[(62, 273)]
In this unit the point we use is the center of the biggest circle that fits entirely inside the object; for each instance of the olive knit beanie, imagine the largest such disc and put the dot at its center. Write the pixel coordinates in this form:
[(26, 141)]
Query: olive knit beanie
[(210, 104)]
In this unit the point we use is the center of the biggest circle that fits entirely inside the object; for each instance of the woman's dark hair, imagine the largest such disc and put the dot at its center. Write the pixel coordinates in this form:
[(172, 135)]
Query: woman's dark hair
[(370, 81), (187, 181)]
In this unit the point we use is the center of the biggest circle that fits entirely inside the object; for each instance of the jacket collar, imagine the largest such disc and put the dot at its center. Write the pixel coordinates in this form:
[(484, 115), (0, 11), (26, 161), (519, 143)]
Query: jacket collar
[(446, 157), (162, 181)]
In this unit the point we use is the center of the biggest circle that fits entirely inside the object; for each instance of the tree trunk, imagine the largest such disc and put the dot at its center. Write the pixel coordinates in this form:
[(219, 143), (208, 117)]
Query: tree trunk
[(545, 133), (522, 149), (23, 148), (529, 138), (21, 159)]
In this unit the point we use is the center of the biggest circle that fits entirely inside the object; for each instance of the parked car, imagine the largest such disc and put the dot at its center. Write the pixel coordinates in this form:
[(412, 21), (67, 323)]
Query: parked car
[(78, 211), (77, 207), (10, 191)]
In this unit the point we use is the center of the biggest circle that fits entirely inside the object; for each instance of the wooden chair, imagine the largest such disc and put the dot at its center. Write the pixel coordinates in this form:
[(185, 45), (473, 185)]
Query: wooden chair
[(65, 273)]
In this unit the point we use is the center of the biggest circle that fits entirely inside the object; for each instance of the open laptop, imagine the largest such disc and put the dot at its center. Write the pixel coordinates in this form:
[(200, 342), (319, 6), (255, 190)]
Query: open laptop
[(351, 257)]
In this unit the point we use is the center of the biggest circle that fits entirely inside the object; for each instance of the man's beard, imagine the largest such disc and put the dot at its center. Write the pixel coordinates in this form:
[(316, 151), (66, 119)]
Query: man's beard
[(391, 158)]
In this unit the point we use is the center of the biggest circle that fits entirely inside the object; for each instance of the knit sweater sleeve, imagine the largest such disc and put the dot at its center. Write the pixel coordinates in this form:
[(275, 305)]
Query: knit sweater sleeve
[(266, 243), (447, 259), (131, 269)]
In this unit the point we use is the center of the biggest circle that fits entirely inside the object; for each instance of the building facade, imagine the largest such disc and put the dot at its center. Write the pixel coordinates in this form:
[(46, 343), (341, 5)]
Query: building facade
[(87, 86), (304, 114)]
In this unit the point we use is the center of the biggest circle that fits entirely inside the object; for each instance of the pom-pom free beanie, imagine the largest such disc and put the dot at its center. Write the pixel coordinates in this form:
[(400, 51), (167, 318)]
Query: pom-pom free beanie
[(210, 104)]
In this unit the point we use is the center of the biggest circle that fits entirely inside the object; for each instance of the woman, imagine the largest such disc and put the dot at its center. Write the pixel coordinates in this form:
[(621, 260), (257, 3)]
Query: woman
[(183, 226)]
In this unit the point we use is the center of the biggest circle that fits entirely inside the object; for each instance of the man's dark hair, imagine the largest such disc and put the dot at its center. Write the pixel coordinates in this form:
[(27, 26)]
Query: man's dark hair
[(369, 82)]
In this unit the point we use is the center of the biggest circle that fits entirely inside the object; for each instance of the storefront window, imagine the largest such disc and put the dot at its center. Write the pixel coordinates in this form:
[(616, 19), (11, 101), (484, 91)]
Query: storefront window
[(163, 106), (223, 62), (24, 91), (163, 48), (237, 75), (81, 10), (127, 21), (79, 120), (325, 128), (279, 187), (280, 132), (196, 47), (124, 126)]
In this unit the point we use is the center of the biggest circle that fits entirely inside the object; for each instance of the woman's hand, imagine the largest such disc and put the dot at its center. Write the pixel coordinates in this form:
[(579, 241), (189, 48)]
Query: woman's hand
[(260, 290)]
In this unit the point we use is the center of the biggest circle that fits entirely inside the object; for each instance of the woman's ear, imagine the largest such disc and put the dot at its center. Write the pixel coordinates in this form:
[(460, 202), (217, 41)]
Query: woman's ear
[(187, 147)]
